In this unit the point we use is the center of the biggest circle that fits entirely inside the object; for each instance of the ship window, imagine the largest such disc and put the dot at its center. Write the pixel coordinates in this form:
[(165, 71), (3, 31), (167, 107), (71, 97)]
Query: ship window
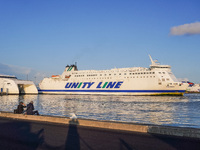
[(153, 72), (159, 72), (119, 73), (163, 72), (141, 72), (109, 74), (163, 79), (124, 73), (167, 79)]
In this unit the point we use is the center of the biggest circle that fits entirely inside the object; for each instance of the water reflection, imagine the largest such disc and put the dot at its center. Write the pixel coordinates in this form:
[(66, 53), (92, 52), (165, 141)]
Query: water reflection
[(165, 110)]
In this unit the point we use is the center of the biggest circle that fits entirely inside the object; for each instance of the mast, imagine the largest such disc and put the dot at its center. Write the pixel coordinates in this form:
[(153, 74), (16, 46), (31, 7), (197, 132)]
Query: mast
[(155, 64)]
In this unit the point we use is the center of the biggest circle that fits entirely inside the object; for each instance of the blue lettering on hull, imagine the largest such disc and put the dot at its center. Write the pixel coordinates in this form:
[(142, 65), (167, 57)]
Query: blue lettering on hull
[(88, 85)]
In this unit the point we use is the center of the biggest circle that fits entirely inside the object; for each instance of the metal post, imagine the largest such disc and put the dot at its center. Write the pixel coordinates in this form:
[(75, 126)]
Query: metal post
[(6, 91)]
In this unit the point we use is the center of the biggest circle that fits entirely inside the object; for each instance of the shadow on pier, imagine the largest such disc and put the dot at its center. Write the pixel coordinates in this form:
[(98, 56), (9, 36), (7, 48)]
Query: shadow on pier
[(19, 135), (24, 134)]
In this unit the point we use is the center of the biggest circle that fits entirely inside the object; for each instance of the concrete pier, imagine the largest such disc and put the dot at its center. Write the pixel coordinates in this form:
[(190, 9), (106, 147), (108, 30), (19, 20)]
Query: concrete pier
[(19, 131)]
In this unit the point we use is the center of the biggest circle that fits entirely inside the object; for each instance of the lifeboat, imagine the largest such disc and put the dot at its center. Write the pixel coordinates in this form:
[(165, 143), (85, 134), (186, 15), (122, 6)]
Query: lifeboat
[(55, 76)]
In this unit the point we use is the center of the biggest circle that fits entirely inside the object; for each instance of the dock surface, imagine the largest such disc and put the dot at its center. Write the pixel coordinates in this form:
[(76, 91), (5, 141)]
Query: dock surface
[(19, 131)]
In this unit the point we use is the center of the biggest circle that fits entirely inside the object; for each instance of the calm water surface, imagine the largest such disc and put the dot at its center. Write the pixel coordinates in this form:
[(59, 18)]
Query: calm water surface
[(181, 111)]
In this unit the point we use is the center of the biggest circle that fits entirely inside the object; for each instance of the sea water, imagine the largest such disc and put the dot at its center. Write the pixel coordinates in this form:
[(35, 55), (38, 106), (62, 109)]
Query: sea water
[(182, 111)]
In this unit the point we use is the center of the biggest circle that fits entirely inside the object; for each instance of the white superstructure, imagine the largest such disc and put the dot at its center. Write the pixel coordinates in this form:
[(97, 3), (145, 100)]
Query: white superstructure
[(194, 88), (156, 80), (11, 85)]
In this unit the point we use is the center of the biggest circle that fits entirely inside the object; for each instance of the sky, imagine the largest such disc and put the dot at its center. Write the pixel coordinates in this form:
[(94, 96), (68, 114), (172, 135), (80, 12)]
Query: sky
[(39, 38)]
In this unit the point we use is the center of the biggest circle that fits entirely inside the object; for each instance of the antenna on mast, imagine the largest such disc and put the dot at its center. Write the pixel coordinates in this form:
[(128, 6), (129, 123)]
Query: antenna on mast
[(152, 62)]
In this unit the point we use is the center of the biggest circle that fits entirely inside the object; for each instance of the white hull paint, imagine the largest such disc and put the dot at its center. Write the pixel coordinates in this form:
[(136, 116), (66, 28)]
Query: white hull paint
[(156, 80), (11, 85)]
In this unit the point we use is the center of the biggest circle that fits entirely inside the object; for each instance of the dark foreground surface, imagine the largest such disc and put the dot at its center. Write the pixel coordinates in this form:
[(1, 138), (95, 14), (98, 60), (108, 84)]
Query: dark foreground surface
[(18, 134)]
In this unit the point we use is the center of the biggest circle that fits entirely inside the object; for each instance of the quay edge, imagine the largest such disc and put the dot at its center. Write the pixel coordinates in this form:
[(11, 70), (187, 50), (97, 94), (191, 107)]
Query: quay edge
[(110, 125)]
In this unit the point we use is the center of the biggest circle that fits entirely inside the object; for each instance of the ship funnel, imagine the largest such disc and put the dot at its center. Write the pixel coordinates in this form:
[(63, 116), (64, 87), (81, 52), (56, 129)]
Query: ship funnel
[(71, 68)]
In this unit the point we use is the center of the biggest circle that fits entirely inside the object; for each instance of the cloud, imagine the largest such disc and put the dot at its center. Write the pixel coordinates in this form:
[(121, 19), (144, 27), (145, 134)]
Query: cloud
[(186, 29), (19, 69), (14, 70), (23, 72)]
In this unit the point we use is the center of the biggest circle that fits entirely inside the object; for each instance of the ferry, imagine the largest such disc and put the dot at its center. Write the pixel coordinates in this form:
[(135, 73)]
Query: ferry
[(11, 85), (155, 80), (195, 88)]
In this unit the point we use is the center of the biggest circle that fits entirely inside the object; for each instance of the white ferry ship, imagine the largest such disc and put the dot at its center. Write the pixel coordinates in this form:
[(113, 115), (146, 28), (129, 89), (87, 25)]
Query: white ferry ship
[(155, 80), (11, 85)]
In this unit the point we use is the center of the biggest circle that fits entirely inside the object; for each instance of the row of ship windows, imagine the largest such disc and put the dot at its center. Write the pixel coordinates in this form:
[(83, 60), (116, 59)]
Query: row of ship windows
[(92, 75), (124, 77)]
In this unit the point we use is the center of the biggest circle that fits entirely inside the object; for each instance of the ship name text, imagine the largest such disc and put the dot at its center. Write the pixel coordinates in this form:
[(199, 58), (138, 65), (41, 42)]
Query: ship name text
[(83, 85)]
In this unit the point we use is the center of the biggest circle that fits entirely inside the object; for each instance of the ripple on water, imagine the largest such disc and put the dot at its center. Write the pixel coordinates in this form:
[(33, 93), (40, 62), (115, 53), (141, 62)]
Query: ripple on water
[(162, 110)]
